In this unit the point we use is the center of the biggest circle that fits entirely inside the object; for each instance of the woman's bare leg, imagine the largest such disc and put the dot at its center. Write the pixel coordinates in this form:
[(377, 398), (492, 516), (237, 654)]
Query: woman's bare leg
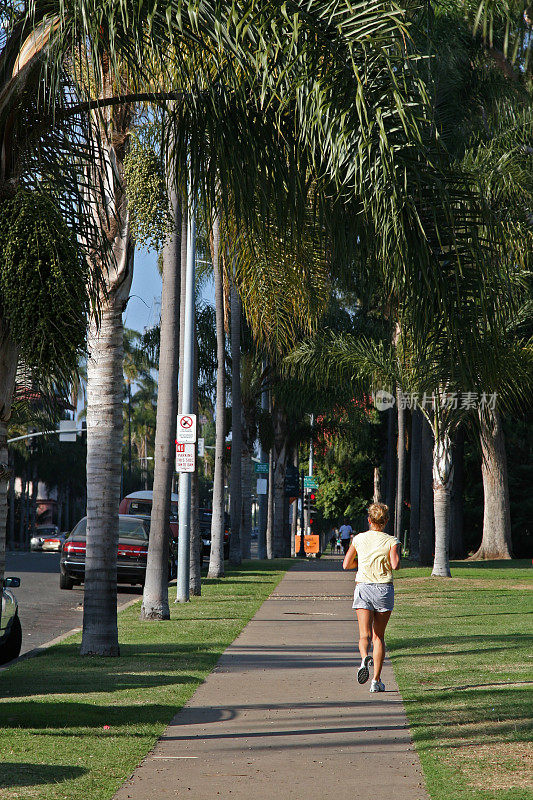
[(380, 623), (364, 619)]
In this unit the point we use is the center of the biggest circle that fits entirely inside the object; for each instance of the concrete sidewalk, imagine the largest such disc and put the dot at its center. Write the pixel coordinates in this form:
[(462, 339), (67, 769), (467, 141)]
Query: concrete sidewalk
[(282, 714)]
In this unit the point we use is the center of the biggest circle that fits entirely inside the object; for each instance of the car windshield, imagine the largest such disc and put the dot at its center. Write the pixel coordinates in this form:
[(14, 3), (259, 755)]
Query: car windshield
[(130, 528), (144, 507), (46, 531)]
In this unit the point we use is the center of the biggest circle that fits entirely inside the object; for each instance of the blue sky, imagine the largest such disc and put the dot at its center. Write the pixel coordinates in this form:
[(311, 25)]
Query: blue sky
[(144, 305)]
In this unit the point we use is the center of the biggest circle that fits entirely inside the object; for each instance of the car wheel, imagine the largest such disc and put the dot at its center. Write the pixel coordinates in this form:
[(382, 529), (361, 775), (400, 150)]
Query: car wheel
[(65, 582), (11, 647)]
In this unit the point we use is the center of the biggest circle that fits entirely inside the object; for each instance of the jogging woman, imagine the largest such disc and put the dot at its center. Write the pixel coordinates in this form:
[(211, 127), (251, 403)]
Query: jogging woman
[(375, 554)]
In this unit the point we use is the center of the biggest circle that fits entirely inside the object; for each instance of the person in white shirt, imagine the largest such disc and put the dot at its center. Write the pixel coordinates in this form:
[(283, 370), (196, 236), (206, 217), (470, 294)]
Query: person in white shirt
[(345, 532)]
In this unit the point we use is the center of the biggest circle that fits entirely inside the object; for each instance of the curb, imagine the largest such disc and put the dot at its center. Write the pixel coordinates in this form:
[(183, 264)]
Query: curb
[(58, 639)]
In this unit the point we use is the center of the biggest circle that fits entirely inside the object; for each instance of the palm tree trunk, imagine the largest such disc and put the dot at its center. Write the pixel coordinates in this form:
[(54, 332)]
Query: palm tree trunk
[(398, 517), (33, 500), (11, 493), (216, 559), (426, 540), (279, 547), (496, 541), (3, 501), (270, 508), (155, 595), (294, 507), (456, 520), (246, 518), (22, 509), (391, 469), (195, 541), (104, 456), (236, 428), (105, 343), (442, 486), (377, 485), (416, 455)]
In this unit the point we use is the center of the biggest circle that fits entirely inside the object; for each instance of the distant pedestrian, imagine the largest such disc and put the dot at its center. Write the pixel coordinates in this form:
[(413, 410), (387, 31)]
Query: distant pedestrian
[(375, 554), (345, 532), (338, 544), (333, 541)]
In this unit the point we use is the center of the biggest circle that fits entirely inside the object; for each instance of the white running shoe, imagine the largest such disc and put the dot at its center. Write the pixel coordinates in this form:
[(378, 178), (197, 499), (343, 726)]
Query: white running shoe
[(362, 672), (377, 686)]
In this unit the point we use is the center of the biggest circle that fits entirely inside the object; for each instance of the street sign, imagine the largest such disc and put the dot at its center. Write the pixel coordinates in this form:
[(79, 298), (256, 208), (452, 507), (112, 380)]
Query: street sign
[(185, 457), (262, 486), (67, 431), (292, 481), (310, 482), (201, 448), (186, 428), (261, 469)]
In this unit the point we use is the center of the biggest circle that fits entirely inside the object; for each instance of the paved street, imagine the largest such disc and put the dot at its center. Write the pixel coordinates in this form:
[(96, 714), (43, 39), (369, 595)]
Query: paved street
[(282, 714), (45, 610)]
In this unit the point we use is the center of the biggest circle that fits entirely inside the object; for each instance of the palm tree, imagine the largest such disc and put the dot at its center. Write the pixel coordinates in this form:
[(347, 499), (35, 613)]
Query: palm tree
[(216, 560), (235, 555), (104, 388), (155, 595)]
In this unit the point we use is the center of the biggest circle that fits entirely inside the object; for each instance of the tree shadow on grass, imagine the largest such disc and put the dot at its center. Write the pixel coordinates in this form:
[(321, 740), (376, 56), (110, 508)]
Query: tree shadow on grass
[(424, 646), (518, 563), (68, 718), (16, 774)]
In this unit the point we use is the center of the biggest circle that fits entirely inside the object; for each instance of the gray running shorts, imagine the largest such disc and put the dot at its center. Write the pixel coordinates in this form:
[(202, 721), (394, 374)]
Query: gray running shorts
[(374, 596)]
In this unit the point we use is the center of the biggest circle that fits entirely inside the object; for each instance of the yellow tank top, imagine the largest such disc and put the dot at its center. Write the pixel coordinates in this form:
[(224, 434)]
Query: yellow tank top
[(373, 556)]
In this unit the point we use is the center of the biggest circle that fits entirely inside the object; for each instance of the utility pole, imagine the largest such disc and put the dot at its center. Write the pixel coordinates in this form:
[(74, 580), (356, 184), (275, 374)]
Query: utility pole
[(310, 472), (187, 404), (301, 551)]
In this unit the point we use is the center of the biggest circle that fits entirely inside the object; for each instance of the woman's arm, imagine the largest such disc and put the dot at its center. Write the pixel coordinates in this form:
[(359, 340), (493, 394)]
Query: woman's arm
[(395, 553), (350, 559)]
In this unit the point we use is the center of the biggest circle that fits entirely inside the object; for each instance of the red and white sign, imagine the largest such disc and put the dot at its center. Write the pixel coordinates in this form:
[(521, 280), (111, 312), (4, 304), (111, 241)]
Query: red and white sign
[(185, 457), (186, 429)]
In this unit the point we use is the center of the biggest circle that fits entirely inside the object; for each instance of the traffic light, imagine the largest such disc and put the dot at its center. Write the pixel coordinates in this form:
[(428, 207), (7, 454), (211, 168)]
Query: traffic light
[(312, 507), (310, 504)]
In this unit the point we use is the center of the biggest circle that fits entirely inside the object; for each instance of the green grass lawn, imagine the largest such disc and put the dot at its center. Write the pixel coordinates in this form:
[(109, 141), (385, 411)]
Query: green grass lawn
[(55, 707), (462, 654)]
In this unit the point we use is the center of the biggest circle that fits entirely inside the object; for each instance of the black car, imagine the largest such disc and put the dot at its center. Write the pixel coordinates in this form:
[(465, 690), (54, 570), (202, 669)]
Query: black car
[(10, 628), (132, 553), (206, 516)]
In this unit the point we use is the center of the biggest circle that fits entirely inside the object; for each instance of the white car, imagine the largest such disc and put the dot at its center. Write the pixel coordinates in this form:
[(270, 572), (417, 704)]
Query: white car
[(10, 628), (43, 532)]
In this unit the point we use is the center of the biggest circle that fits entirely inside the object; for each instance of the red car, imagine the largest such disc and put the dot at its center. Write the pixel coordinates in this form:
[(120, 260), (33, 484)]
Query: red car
[(133, 533)]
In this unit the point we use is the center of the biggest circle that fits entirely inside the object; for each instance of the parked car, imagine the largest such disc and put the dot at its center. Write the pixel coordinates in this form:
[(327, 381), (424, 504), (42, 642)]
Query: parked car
[(206, 516), (42, 532), (140, 504), (55, 543), (133, 536), (10, 627)]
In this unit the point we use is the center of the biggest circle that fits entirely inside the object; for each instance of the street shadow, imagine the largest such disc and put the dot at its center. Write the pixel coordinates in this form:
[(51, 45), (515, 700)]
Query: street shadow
[(15, 774)]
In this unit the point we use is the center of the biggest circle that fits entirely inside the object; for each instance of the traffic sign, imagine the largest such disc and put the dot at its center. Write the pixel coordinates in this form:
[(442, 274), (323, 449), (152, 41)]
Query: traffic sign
[(201, 448), (185, 457), (310, 482), (186, 428), (68, 432), (261, 469), (262, 486)]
